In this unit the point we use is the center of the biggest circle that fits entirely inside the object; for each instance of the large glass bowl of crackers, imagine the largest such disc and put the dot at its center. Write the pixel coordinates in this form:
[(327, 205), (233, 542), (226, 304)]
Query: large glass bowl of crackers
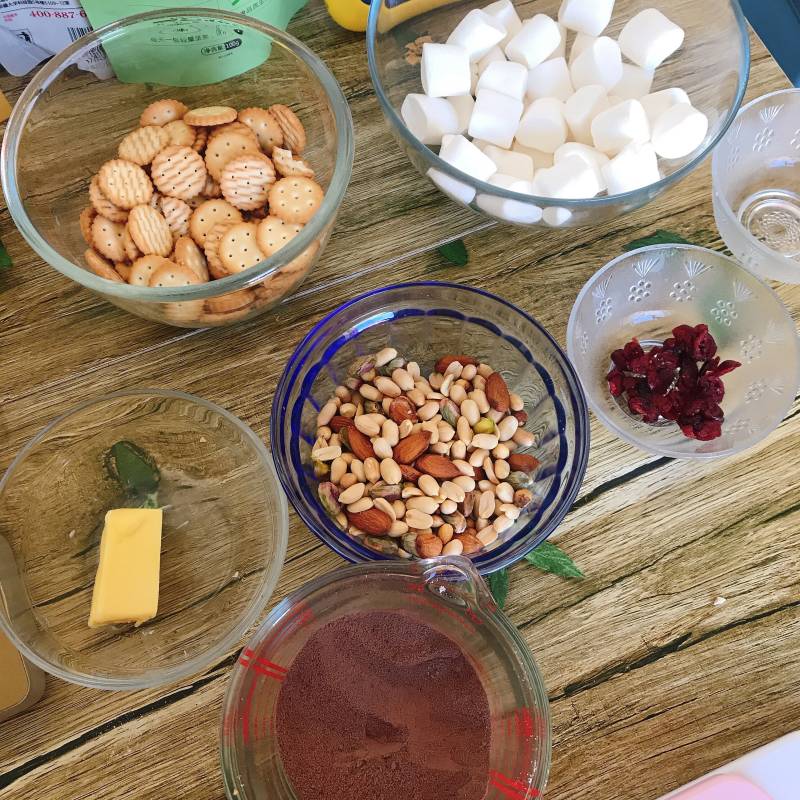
[(199, 183)]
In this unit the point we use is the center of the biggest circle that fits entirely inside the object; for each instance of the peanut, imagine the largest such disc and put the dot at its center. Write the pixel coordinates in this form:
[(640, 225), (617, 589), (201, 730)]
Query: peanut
[(418, 520), (372, 470), (381, 447), (391, 432), (390, 471), (428, 505), (338, 469), (327, 453), (466, 482), (367, 425), (458, 450), (357, 468), (453, 548), (502, 469), (387, 386), (348, 479), (504, 492), (429, 485), (327, 413), (355, 492), (383, 357), (403, 378), (516, 401), (384, 505), (488, 535), (368, 391), (361, 505), (484, 441)]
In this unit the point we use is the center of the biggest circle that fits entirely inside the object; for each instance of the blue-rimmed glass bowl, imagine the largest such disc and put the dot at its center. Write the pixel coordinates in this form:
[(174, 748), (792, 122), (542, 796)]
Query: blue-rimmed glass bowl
[(424, 321)]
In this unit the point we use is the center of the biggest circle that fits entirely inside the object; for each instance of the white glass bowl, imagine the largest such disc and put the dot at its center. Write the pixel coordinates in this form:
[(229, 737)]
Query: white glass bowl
[(648, 292), (756, 186)]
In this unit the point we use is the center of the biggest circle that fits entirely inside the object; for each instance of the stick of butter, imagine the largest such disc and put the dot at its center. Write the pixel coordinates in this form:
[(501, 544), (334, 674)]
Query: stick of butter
[(126, 584)]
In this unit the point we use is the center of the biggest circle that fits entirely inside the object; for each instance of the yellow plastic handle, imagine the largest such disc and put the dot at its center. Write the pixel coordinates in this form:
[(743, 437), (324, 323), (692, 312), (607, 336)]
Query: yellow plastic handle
[(352, 14)]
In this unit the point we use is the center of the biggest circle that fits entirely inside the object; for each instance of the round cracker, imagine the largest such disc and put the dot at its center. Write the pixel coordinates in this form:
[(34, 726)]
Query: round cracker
[(188, 254), (238, 248), (210, 115), (234, 127), (123, 269), (179, 172), (295, 199), (149, 231), (211, 188), (264, 125), (107, 238), (209, 214), (102, 205), (86, 218), (179, 133), (100, 266), (177, 214), (144, 268), (144, 144), (124, 183), (294, 134), (224, 148), (246, 180), (287, 164), (211, 250), (230, 302), (273, 233), (200, 139), (162, 112), (132, 252), (171, 275)]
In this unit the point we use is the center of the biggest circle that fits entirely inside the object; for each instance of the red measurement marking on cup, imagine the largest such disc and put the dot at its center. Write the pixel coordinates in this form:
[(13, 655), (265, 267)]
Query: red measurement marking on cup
[(246, 713), (261, 665), (524, 723), (514, 790)]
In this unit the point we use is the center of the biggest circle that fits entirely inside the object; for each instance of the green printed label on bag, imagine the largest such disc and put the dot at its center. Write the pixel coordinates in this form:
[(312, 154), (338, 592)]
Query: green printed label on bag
[(188, 50)]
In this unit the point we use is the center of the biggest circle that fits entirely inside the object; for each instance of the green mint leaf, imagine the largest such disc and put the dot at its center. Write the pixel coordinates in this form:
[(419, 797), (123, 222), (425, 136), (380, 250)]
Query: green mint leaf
[(133, 468), (551, 558), (498, 584), (659, 237), (5, 258), (455, 252)]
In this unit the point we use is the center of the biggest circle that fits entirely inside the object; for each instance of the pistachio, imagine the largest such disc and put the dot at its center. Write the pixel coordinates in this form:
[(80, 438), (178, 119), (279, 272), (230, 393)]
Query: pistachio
[(457, 520), (321, 469), (372, 407), (390, 492), (523, 498), (387, 369), (409, 541), (329, 497), (361, 366), (385, 546), (520, 480), (469, 503), (484, 425), (449, 411)]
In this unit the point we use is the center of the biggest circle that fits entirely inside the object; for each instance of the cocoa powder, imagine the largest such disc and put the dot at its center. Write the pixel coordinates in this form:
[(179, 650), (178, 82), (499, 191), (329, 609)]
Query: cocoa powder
[(380, 706)]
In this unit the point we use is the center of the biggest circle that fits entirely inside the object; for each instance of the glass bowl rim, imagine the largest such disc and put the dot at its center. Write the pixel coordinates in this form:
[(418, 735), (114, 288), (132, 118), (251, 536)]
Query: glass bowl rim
[(343, 165), (229, 753), (433, 160), (716, 168), (164, 676), (625, 434), (333, 537)]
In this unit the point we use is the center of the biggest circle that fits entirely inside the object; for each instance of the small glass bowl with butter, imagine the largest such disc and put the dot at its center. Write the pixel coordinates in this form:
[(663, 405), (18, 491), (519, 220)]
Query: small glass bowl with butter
[(223, 537)]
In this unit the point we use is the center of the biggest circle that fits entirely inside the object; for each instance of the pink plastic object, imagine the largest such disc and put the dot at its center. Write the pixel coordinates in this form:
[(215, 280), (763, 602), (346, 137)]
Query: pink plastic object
[(722, 787)]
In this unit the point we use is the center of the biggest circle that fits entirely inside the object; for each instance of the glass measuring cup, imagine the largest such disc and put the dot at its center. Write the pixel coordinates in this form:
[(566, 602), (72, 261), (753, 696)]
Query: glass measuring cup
[(446, 593)]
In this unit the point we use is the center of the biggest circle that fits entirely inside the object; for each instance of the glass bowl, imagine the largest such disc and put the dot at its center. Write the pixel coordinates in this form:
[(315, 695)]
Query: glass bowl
[(224, 538), (648, 292), (68, 122), (712, 66), (446, 594), (756, 186), (424, 321)]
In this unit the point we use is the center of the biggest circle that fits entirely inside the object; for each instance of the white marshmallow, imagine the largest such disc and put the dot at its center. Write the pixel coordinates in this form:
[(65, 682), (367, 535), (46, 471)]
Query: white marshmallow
[(582, 41), (477, 33), (520, 165), (495, 54), (539, 157), (586, 16), (535, 42), (510, 210), (495, 118), (549, 79), (463, 105), (581, 109), (462, 154), (649, 38), (657, 103), (634, 84), (556, 216), (445, 70), (679, 131), (452, 187), (613, 100), (506, 14), (635, 167), (600, 62), (543, 125), (481, 145), (561, 50), (429, 118), (569, 179), (613, 130), (474, 74), (506, 77), (593, 158)]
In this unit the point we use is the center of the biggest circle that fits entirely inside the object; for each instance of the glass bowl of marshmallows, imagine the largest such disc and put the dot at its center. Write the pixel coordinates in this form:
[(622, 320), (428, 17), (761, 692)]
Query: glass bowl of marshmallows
[(563, 112)]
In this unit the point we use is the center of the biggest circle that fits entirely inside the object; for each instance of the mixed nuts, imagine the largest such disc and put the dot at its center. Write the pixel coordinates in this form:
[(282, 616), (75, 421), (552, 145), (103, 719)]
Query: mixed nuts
[(422, 467)]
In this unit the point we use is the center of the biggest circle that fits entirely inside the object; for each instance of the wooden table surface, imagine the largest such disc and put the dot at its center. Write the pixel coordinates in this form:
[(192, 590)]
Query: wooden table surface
[(652, 678)]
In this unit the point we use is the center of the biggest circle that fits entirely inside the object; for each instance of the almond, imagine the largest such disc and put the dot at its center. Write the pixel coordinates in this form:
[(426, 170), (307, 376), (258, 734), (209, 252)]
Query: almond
[(470, 543), (520, 462), (428, 545), (521, 416), (445, 361), (402, 408), (437, 466), (337, 423), (410, 448), (372, 521), (410, 473), (497, 392), (359, 444)]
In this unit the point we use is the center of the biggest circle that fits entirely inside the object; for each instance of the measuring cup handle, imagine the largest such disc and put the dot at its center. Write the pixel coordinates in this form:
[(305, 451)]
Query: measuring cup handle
[(461, 577)]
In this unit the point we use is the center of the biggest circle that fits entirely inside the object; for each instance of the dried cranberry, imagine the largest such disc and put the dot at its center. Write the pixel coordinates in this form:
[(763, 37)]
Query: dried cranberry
[(633, 349), (715, 412), (711, 388), (708, 430), (724, 368), (616, 380), (659, 379), (684, 337), (671, 343), (639, 364), (703, 346), (619, 359)]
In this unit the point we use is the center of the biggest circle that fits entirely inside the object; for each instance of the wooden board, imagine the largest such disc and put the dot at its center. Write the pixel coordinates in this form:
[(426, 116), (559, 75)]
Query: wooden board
[(654, 680)]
